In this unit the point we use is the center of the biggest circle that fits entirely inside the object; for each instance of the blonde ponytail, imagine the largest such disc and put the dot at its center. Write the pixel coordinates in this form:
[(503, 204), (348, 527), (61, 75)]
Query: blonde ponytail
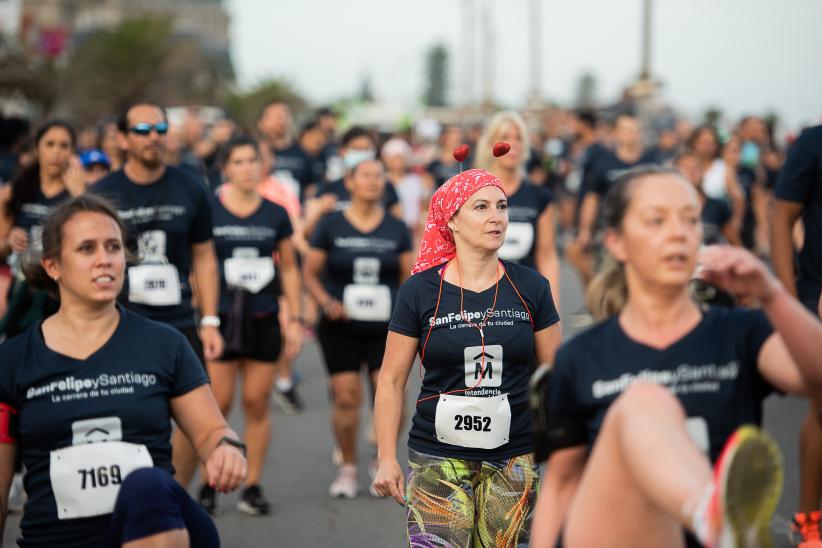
[(608, 291)]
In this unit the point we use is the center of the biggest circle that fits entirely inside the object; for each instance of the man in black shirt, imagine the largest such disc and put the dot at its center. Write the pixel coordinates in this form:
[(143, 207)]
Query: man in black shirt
[(799, 193), (168, 220)]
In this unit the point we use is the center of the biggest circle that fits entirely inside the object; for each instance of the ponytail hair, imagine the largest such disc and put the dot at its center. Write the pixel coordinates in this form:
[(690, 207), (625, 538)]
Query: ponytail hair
[(608, 291)]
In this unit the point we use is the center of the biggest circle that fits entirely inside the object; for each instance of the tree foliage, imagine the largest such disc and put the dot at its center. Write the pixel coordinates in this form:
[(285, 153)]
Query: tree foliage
[(245, 106), (436, 70)]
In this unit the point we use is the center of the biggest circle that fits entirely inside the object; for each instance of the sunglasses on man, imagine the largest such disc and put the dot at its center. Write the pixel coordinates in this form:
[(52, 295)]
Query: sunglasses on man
[(144, 128)]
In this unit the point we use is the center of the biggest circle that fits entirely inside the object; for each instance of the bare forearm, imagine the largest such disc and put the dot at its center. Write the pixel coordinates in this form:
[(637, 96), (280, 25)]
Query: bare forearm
[(207, 277), (782, 251), (315, 288), (548, 266), (387, 412), (292, 290), (801, 331)]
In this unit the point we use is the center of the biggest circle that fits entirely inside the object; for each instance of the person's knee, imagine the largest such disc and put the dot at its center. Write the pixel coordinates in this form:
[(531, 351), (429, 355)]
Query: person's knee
[(147, 482), (256, 405), (347, 399), (643, 396)]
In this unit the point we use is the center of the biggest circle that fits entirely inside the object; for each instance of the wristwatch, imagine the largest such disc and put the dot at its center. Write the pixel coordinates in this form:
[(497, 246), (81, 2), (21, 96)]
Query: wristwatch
[(236, 443), (210, 321)]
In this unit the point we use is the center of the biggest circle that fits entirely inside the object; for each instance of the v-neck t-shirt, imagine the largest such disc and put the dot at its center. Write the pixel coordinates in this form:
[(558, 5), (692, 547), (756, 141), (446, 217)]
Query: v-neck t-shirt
[(121, 392), (712, 369)]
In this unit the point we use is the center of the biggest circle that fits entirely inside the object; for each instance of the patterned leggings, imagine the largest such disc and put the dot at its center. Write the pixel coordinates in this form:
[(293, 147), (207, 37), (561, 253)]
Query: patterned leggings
[(455, 503)]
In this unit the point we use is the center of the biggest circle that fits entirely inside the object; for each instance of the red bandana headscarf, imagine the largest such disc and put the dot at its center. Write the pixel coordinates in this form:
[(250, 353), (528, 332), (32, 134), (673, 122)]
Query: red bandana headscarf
[(437, 246)]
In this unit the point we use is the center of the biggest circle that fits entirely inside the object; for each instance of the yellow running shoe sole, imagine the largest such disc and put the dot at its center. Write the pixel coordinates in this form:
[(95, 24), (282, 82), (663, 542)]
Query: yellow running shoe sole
[(749, 479)]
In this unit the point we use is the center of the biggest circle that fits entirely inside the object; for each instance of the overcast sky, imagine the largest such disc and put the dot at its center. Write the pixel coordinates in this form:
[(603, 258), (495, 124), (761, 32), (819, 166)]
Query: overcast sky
[(740, 55)]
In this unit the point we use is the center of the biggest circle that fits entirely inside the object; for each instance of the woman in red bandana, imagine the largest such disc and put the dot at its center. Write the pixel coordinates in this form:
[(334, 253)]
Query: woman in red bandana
[(479, 325)]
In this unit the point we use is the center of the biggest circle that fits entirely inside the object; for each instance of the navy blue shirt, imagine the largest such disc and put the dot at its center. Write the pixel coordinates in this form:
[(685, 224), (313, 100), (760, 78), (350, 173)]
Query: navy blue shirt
[(715, 215), (453, 348), (357, 261), (524, 209), (124, 388), (441, 172), (389, 197), (32, 215), (252, 239), (163, 221), (606, 167), (801, 181), (712, 370)]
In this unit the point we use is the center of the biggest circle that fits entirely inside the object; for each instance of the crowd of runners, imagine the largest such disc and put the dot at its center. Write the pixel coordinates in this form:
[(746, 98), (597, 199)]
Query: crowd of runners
[(150, 271)]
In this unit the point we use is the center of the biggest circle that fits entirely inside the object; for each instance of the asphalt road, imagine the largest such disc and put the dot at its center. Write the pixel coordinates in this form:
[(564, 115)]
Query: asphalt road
[(299, 471)]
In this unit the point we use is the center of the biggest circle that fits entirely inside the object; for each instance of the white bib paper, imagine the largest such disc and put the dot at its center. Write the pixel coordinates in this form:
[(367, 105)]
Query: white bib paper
[(470, 421), (367, 303), (86, 478), (698, 429), (154, 285), (518, 241), (251, 273)]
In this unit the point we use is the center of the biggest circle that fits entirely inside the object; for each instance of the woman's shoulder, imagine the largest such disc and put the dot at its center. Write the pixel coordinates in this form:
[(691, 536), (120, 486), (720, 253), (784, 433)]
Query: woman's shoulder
[(161, 335)]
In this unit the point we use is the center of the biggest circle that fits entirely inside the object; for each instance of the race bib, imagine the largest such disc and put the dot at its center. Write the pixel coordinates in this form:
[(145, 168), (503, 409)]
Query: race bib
[(86, 478), (519, 238), (698, 429), (469, 421), (367, 303), (154, 285), (251, 273)]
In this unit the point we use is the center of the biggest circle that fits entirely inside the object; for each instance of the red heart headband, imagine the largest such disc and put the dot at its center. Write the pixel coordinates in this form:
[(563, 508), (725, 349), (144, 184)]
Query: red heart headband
[(501, 148)]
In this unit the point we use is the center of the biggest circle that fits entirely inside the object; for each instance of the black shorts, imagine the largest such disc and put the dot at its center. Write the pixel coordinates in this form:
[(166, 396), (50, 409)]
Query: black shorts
[(262, 343), (346, 351)]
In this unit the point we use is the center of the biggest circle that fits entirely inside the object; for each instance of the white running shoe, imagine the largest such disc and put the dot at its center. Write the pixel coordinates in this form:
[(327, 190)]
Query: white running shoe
[(346, 484)]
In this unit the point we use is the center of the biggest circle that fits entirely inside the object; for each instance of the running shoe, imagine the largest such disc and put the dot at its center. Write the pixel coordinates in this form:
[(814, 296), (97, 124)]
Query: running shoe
[(208, 500), (253, 502), (346, 484), (747, 487), (806, 529), (288, 400)]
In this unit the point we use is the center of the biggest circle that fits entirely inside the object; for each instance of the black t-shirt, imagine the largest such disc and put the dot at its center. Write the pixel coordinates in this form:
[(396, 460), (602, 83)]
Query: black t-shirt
[(120, 393), (712, 370), (389, 196), (441, 172), (362, 269), (801, 181), (452, 358), (715, 215), (606, 167), (164, 220), (245, 248), (295, 163), (524, 209), (32, 215)]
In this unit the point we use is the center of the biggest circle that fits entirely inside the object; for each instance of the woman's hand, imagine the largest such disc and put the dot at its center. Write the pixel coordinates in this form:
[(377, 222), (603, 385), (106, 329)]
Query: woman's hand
[(74, 177), (334, 310), (737, 271), (226, 468), (293, 339), (389, 481), (18, 239)]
